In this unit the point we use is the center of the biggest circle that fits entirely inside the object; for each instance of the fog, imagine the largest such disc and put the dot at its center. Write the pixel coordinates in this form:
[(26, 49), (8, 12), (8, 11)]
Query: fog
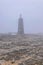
[(32, 13)]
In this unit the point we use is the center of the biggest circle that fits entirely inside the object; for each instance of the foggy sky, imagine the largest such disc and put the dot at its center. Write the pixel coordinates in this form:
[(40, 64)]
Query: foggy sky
[(32, 13)]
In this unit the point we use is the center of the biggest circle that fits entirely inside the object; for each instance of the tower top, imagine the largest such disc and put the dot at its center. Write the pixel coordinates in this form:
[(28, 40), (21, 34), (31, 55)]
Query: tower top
[(20, 16)]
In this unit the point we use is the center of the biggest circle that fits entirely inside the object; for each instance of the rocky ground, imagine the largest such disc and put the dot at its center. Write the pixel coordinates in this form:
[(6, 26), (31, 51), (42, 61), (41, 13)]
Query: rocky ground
[(21, 50)]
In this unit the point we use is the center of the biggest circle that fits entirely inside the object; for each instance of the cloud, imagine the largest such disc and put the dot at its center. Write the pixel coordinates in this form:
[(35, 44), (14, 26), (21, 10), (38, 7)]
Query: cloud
[(32, 11)]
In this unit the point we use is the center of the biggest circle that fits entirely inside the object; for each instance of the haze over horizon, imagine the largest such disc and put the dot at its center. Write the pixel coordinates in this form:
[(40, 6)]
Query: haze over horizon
[(32, 13)]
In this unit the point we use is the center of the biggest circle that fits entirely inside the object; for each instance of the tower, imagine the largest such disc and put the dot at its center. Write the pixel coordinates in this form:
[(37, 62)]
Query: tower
[(20, 26)]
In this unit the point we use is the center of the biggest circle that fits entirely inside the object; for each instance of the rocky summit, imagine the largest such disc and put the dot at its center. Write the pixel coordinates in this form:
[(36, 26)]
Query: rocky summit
[(21, 50)]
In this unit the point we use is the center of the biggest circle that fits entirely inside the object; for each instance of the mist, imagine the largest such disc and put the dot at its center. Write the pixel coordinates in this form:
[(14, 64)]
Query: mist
[(32, 13)]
